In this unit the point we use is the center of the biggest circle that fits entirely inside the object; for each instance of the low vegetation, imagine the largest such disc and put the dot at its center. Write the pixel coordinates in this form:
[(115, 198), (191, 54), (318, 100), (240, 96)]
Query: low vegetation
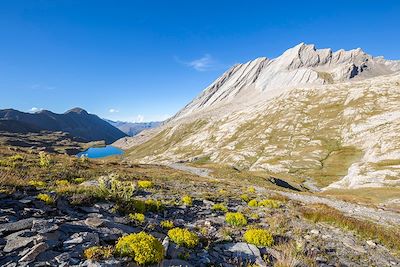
[(258, 237), (388, 236), (142, 248), (183, 237), (236, 219)]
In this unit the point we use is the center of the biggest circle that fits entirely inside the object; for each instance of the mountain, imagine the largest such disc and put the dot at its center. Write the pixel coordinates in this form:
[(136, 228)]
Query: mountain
[(133, 128), (77, 122), (328, 119)]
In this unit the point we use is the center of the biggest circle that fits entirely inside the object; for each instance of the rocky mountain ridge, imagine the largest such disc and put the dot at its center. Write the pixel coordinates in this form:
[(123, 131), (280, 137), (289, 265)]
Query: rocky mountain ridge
[(321, 116), (77, 122)]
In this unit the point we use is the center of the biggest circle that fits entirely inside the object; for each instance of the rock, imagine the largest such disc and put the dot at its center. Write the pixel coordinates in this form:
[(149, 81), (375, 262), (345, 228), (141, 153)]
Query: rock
[(94, 222), (16, 226), (175, 262), (34, 252), (63, 257), (371, 243), (19, 240), (350, 243), (43, 226), (314, 232), (82, 237), (245, 251), (165, 244)]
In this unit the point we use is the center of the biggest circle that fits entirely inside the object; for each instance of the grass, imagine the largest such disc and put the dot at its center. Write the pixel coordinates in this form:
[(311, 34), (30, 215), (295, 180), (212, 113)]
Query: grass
[(388, 236), (373, 196)]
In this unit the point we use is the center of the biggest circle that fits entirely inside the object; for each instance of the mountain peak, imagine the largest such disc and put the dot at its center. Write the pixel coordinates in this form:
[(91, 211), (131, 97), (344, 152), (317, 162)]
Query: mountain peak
[(77, 111)]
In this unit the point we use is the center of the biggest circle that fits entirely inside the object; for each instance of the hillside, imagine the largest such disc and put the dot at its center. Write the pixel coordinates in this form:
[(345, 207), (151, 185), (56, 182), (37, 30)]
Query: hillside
[(133, 128), (77, 122), (325, 118)]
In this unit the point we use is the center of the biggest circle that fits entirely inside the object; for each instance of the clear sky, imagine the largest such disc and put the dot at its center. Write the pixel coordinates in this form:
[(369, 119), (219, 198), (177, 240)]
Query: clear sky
[(144, 60)]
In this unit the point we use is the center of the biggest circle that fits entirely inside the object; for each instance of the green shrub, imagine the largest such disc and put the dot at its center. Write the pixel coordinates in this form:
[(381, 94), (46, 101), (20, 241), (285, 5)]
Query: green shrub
[(79, 180), (183, 237), (137, 217), (219, 207), (37, 184), (167, 224), (98, 253), (235, 219), (187, 200), (44, 160), (259, 237), (45, 198), (153, 205), (253, 203), (62, 183), (269, 203), (142, 248), (251, 190), (245, 197), (111, 187), (145, 184)]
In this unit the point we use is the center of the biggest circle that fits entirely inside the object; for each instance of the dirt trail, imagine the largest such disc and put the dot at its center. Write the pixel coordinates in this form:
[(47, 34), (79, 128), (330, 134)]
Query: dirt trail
[(358, 211)]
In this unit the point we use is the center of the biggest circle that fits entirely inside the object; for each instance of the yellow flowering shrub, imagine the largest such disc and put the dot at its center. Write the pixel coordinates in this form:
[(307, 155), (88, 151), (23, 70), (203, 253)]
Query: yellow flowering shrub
[(183, 237), (269, 203), (37, 184), (137, 217), (167, 224), (259, 237), (62, 183), (98, 253), (145, 184), (253, 203), (235, 219), (245, 197), (46, 198), (142, 248), (251, 190), (219, 207), (187, 200)]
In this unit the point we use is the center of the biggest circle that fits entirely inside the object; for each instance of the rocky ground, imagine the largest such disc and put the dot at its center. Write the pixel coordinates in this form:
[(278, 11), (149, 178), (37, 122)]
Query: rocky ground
[(33, 233)]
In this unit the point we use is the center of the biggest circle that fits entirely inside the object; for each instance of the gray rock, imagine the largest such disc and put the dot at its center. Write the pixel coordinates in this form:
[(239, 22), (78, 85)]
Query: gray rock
[(19, 240), (34, 252), (246, 252), (175, 262), (44, 226), (94, 222), (165, 244), (16, 226)]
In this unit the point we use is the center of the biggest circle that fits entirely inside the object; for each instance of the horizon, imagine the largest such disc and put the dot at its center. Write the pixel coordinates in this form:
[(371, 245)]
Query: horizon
[(132, 62)]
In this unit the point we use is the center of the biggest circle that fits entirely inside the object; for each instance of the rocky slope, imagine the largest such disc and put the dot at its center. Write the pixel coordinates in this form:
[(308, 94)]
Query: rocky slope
[(133, 128), (77, 122), (328, 118)]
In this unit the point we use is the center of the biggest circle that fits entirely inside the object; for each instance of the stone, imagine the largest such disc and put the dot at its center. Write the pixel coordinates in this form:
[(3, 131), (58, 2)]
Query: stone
[(19, 240), (165, 244), (175, 263), (371, 243), (314, 232), (16, 226), (43, 226), (245, 251), (34, 252), (94, 222)]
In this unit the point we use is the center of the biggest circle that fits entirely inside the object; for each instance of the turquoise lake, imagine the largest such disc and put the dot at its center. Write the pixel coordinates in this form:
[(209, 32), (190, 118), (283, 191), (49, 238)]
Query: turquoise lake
[(101, 152)]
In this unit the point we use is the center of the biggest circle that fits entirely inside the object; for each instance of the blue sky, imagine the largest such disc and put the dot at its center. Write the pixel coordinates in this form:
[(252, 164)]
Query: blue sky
[(144, 60)]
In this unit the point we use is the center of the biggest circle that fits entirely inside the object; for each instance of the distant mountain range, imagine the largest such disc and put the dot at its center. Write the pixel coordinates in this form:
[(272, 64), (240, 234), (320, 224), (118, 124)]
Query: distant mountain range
[(319, 116), (133, 128), (77, 122)]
